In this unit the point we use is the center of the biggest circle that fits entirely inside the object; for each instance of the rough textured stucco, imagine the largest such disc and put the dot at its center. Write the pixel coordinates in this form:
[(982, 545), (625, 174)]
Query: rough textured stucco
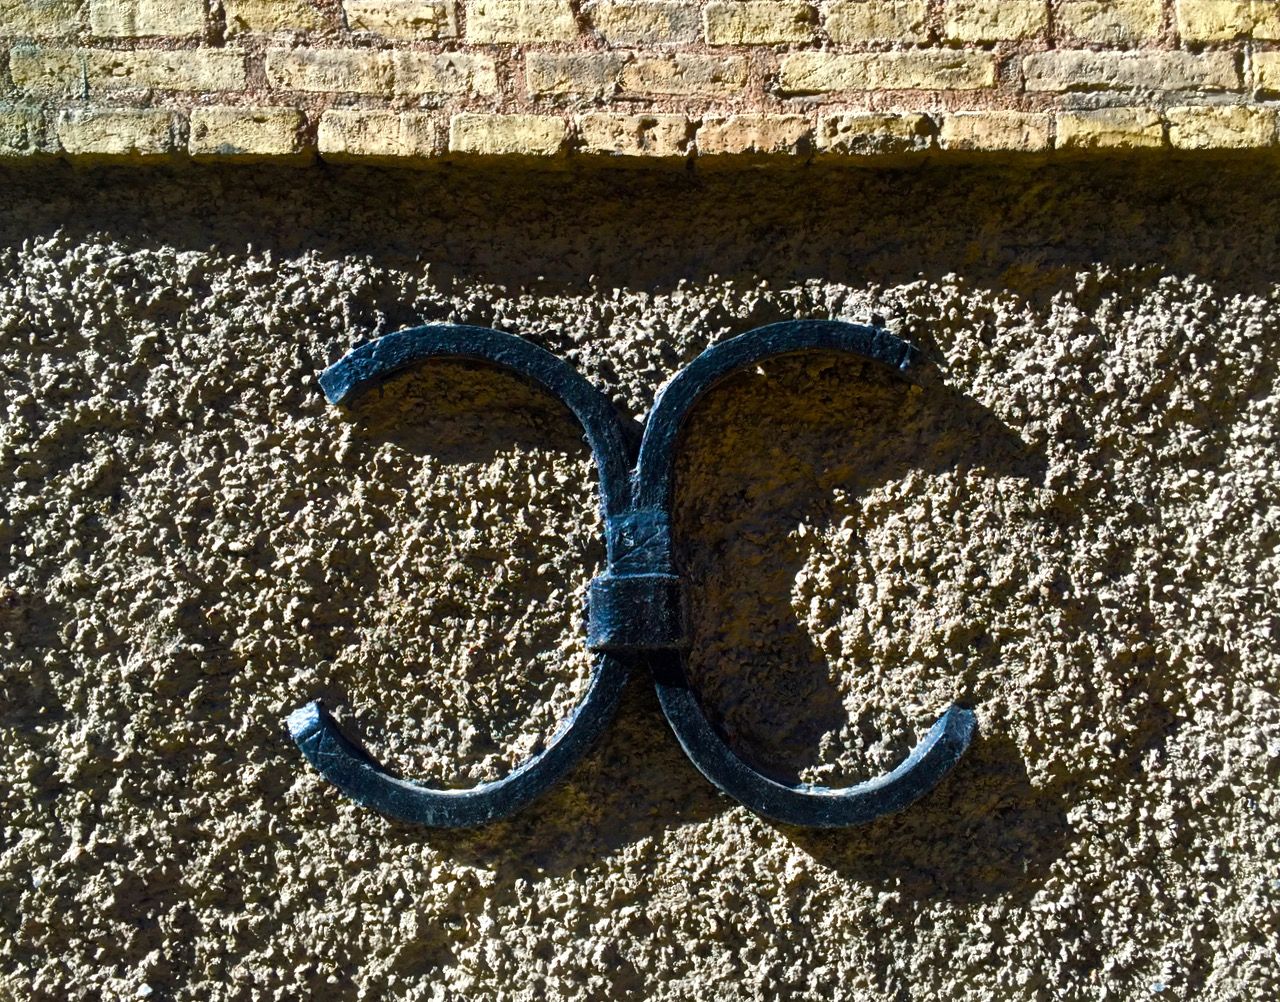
[(1070, 522)]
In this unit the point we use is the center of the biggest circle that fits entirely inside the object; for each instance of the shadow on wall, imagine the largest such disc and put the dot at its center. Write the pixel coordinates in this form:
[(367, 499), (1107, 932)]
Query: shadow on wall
[(559, 233), (984, 832), (777, 477), (461, 412)]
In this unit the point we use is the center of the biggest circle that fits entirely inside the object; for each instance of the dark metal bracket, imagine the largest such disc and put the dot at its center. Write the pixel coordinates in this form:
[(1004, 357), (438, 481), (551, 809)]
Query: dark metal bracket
[(636, 609)]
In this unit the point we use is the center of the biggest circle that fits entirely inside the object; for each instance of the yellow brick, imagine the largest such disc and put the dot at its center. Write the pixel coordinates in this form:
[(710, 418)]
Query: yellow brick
[(83, 72), (521, 21), (273, 15), (39, 18), (1110, 22), (507, 135), (853, 21), (21, 132), (759, 22), (1067, 70), (647, 22), (635, 135), (874, 134), (1225, 20), (137, 18), (443, 73), (686, 74), (1214, 20), (994, 20), (589, 74), (363, 71), (118, 133), (373, 136), (1206, 128), (1110, 128), (408, 19), (1266, 72), (995, 130), (755, 134), (817, 72), (369, 71), (1266, 20), (243, 134)]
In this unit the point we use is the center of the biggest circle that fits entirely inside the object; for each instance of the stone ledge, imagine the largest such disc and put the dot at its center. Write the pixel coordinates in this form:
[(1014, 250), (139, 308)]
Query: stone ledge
[(287, 134)]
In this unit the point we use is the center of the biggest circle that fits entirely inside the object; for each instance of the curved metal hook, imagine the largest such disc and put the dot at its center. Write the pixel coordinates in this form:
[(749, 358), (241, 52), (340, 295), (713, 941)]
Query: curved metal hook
[(342, 761), (803, 804), (355, 772), (376, 361), (655, 468)]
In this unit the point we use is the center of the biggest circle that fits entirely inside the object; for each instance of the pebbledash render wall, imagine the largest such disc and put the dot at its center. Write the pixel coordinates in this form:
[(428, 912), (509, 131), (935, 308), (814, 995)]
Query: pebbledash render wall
[(413, 80), (1068, 519)]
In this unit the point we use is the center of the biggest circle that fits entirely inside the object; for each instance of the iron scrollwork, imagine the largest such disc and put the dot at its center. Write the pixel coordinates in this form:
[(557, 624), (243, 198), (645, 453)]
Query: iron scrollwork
[(636, 609)]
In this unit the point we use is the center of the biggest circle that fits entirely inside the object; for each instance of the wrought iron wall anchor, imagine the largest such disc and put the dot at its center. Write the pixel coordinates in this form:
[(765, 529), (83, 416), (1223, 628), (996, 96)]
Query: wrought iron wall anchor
[(636, 609)]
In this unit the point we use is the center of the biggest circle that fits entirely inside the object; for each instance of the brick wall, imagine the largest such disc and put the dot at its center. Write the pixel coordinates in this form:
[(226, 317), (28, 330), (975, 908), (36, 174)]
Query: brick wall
[(411, 81)]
